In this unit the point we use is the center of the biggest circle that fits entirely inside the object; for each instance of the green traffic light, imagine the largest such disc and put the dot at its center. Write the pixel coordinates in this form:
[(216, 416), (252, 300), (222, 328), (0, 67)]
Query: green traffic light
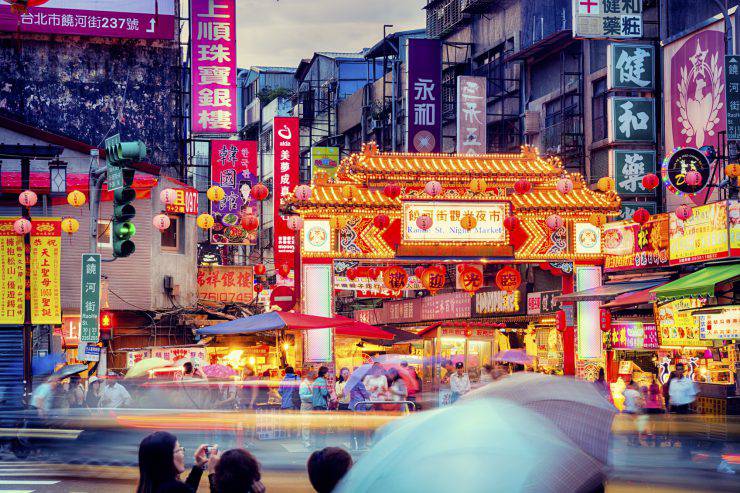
[(124, 230)]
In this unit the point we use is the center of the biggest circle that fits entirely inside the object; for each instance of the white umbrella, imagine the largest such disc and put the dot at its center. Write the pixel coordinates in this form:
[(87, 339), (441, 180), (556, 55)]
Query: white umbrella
[(480, 446)]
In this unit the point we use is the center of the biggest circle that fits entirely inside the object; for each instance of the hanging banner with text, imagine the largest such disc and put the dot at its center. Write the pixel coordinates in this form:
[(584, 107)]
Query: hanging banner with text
[(234, 169), (424, 99), (90, 298), (46, 240), (471, 115), (13, 270), (286, 147), (213, 62)]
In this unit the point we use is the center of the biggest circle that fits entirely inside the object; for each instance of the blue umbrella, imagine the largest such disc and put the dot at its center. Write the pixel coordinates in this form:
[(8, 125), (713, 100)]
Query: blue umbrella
[(357, 376), (272, 321), (44, 365)]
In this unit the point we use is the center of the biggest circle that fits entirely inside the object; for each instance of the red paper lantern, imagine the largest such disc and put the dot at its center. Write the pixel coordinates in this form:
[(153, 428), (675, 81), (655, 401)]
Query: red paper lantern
[(372, 273), (28, 198), (302, 193), (22, 226), (250, 222), (392, 191), (471, 279), (294, 223), (395, 278), (424, 222), (554, 222), (381, 221), (511, 223), (351, 273), (605, 320), (641, 216), (258, 288), (161, 222), (564, 185), (693, 178), (683, 212), (508, 279), (259, 192), (650, 181), (260, 270), (284, 270), (168, 196), (560, 321), (433, 188), (419, 271), (522, 186), (433, 279)]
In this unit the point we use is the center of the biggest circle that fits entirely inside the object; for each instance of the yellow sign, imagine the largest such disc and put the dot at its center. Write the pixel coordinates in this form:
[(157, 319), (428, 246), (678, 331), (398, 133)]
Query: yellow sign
[(46, 241), (701, 237), (733, 212), (13, 269), (676, 324)]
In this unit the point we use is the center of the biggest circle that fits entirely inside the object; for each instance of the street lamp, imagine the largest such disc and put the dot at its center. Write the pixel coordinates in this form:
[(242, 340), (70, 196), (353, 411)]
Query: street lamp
[(57, 177)]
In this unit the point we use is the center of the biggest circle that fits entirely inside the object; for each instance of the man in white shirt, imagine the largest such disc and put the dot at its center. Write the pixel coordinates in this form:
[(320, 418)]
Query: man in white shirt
[(114, 394), (682, 391), (459, 382)]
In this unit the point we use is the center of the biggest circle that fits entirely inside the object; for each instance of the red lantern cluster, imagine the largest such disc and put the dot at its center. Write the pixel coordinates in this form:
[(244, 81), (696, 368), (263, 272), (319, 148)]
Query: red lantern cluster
[(522, 186), (471, 279), (392, 191), (650, 181), (641, 216), (381, 221), (259, 192)]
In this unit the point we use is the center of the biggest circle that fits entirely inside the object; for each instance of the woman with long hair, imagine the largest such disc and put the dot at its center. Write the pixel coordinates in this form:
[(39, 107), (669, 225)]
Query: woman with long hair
[(162, 460)]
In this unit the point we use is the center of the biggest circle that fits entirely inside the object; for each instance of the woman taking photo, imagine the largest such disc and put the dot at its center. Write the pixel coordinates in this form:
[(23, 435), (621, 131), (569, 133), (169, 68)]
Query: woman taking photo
[(162, 460)]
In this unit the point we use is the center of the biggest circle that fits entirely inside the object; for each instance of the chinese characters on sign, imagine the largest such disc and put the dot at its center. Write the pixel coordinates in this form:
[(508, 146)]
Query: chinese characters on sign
[(542, 302), (471, 115), (629, 246), (681, 161), (496, 301), (233, 168), (226, 284), (186, 202), (286, 161), (446, 221), (634, 335), (213, 78), (631, 66), (677, 326), (90, 299), (616, 19), (723, 325), (324, 162), (704, 236), (629, 169), (732, 96), (424, 101), (632, 119), (105, 18), (46, 240), (13, 270), (628, 208)]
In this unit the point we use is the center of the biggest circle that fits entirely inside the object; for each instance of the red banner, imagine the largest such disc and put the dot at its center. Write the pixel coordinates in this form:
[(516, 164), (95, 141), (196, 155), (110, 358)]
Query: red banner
[(286, 161)]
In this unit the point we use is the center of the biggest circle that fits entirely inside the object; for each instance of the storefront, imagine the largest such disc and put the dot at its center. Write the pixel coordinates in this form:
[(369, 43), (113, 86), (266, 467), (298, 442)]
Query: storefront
[(545, 342)]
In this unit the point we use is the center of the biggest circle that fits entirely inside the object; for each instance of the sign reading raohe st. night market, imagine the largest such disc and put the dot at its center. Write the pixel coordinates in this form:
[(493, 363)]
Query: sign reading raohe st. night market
[(424, 99), (631, 66), (631, 119), (629, 169), (607, 19), (732, 96), (90, 298)]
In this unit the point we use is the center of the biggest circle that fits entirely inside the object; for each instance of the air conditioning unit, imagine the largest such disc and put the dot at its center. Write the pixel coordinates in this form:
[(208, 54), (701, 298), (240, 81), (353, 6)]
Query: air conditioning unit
[(531, 122)]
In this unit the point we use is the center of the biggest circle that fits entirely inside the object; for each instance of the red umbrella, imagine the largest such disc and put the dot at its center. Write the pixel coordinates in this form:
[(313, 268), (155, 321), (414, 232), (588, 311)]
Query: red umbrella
[(355, 328), (406, 375)]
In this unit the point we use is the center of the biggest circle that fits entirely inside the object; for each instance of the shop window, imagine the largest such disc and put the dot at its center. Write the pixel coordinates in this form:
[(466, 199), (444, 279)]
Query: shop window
[(172, 237), (598, 110)]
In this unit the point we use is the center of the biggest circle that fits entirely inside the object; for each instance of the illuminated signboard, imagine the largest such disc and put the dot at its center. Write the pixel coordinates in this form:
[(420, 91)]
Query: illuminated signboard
[(446, 221), (703, 236), (628, 245), (722, 325), (634, 335), (677, 326)]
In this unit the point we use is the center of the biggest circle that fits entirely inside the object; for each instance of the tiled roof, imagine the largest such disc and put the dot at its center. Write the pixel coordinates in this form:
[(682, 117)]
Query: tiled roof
[(578, 198)]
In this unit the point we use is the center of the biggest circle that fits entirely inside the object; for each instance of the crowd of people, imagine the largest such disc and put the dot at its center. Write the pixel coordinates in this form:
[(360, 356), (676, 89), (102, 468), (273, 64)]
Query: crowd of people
[(162, 461), (62, 395)]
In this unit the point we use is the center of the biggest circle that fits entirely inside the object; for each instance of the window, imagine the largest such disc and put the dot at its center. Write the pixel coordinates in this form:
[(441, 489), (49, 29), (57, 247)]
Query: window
[(171, 238), (598, 110), (105, 238)]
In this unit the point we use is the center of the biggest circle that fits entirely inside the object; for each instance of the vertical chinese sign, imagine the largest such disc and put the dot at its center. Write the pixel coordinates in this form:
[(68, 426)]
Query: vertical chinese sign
[(233, 168), (90, 298), (46, 240), (13, 270), (471, 115), (213, 62), (424, 99), (286, 161)]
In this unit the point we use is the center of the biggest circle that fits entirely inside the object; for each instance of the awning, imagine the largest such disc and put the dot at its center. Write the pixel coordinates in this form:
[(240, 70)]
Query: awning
[(356, 328), (271, 321), (698, 284), (632, 299), (609, 291)]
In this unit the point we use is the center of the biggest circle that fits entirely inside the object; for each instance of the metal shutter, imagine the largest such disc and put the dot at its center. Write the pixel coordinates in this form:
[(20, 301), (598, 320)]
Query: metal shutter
[(11, 368)]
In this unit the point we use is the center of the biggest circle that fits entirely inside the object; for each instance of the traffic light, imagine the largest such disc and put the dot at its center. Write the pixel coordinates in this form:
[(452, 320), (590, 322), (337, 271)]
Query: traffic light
[(106, 326), (121, 179)]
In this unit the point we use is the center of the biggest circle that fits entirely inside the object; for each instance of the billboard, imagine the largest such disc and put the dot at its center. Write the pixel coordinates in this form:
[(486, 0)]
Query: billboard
[(286, 162), (324, 160), (233, 168), (607, 20), (145, 19), (629, 246), (226, 283), (13, 270), (471, 115), (703, 236), (213, 61), (45, 271), (424, 99)]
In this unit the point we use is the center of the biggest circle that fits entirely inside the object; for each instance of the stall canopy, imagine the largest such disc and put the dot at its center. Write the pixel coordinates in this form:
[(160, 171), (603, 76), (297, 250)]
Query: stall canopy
[(632, 299), (272, 321), (698, 284), (609, 291), (356, 328)]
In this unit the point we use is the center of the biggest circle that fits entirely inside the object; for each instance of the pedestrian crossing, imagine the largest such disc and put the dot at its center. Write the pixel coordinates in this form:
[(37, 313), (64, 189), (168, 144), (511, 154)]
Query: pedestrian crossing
[(24, 477)]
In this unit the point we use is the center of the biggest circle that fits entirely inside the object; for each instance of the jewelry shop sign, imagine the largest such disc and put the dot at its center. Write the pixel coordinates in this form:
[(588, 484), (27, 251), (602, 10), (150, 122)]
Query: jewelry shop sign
[(447, 225)]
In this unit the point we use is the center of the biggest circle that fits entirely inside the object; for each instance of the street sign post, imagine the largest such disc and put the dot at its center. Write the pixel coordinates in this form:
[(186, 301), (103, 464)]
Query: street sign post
[(732, 96), (115, 172), (90, 299)]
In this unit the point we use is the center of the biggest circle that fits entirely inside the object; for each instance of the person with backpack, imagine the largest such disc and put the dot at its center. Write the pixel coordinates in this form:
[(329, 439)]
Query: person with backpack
[(288, 390)]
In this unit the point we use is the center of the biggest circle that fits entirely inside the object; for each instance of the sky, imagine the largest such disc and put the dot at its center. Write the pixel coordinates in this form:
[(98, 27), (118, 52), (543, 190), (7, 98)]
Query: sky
[(282, 32)]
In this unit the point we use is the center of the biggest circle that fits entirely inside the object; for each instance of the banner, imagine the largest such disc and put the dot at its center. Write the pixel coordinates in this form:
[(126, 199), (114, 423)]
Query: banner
[(424, 98), (213, 61), (186, 202), (46, 240), (286, 140), (13, 270), (90, 299), (146, 19), (629, 246), (324, 160), (233, 168), (471, 115), (226, 283)]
